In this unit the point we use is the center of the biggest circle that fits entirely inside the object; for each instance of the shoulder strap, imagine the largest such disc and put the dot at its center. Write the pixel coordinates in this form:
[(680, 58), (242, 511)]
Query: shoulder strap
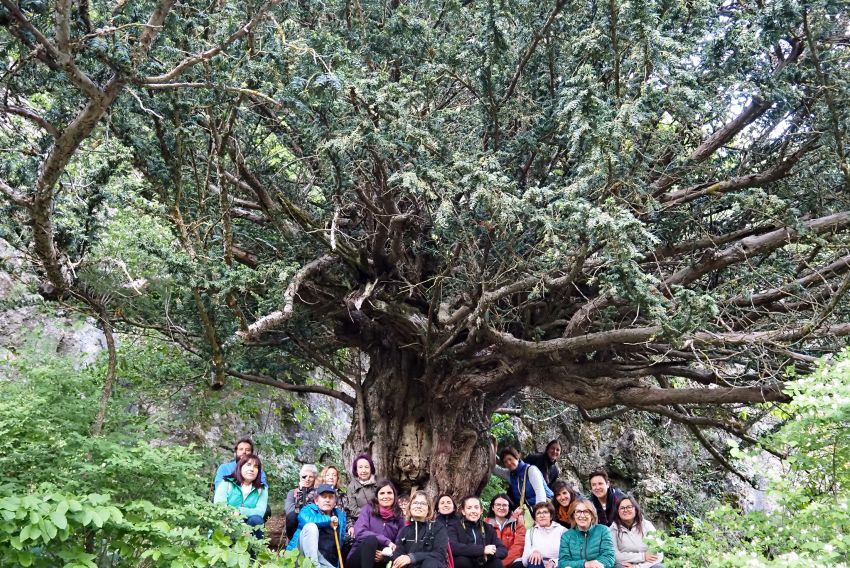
[(522, 491)]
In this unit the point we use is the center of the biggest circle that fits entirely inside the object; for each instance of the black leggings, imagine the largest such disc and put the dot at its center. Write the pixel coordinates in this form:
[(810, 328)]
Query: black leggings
[(470, 562), (364, 556)]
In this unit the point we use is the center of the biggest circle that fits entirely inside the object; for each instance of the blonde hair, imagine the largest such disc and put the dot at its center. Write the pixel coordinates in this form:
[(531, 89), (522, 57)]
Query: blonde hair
[(594, 519), (413, 495), (320, 479)]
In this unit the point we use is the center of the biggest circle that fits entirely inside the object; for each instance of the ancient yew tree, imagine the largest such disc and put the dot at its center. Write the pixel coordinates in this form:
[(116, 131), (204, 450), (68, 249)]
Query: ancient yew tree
[(628, 205)]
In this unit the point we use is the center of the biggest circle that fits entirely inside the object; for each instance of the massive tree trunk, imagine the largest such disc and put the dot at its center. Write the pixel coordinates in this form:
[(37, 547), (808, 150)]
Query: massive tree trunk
[(419, 433)]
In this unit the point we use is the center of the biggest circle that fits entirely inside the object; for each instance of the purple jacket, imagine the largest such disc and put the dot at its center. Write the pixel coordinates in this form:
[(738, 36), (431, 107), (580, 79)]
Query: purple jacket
[(369, 525)]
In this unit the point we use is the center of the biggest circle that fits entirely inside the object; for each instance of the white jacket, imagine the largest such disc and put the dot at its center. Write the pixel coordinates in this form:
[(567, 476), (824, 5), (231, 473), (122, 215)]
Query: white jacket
[(629, 545), (545, 540)]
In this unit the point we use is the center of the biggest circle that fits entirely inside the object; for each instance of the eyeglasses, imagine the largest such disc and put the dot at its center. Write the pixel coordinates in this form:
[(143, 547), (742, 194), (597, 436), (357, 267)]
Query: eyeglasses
[(418, 504), (581, 512), (627, 508)]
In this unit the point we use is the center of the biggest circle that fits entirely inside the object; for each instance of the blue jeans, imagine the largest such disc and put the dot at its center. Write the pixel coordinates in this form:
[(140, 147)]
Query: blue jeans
[(256, 521)]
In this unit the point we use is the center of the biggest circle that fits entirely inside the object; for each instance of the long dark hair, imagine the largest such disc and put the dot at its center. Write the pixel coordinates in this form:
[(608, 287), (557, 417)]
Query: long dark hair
[(556, 488), (638, 522), (376, 508), (242, 461)]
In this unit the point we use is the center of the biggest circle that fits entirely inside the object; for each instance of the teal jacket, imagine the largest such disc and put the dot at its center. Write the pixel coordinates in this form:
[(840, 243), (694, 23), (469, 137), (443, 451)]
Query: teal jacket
[(578, 546), (229, 492)]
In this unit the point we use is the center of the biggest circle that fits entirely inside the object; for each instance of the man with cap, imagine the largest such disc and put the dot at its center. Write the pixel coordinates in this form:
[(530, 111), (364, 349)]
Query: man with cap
[(314, 537)]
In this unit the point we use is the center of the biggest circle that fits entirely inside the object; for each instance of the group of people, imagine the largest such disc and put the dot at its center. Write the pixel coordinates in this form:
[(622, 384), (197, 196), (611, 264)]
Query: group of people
[(370, 523)]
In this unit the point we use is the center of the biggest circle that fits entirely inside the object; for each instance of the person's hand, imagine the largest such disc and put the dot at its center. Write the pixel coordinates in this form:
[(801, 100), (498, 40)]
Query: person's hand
[(490, 550), (334, 522), (350, 531), (401, 561), (392, 546), (378, 556), (551, 563), (517, 514), (650, 557), (535, 558), (627, 565), (593, 564)]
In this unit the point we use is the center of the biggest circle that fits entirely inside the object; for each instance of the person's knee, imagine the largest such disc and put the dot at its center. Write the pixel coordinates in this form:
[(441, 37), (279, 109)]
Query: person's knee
[(431, 563), (310, 529), (254, 520)]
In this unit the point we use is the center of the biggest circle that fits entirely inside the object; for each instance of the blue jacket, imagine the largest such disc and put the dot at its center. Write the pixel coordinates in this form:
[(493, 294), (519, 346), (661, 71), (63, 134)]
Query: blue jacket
[(516, 479), (229, 468), (312, 514)]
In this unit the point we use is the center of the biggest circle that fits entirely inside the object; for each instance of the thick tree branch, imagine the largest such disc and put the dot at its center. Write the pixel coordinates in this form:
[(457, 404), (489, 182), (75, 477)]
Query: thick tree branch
[(210, 53), (758, 245), (33, 116), (815, 278), (269, 381), (774, 173), (59, 59), (278, 318)]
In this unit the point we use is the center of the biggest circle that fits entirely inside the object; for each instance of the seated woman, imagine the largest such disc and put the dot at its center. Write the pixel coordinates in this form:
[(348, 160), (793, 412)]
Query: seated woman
[(424, 542), (509, 528), (543, 540), (361, 488), (473, 542), (377, 528), (628, 532), (588, 544), (244, 491), (301, 496), (565, 495), (445, 506)]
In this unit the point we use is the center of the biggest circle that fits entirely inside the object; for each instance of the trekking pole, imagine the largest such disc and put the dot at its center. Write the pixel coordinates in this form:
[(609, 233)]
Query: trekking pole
[(338, 551)]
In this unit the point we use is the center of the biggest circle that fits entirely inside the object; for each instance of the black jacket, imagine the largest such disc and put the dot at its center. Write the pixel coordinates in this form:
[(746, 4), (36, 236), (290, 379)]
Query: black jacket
[(469, 539), (548, 468), (421, 540), (606, 516)]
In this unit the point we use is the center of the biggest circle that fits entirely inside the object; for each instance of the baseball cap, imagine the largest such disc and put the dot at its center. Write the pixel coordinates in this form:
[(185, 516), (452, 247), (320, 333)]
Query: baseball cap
[(325, 488)]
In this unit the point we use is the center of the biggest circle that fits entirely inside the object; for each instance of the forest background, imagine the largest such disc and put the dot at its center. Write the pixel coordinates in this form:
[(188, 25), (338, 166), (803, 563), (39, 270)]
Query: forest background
[(429, 212)]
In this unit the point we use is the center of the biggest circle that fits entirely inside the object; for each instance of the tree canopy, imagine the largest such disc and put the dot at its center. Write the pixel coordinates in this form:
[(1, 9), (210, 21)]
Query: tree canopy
[(626, 204)]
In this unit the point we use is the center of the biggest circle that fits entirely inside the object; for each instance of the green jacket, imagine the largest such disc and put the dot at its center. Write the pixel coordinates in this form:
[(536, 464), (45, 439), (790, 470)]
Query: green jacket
[(578, 546), (229, 492)]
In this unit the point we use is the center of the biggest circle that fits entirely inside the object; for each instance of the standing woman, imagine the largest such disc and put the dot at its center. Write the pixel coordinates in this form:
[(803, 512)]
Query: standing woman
[(565, 495), (509, 528), (473, 542), (526, 482), (244, 491), (361, 488), (377, 528), (543, 541), (547, 462), (628, 531), (588, 544), (424, 542)]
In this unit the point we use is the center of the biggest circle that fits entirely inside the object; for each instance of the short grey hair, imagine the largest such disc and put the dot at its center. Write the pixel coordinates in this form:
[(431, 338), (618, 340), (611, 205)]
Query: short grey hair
[(309, 468)]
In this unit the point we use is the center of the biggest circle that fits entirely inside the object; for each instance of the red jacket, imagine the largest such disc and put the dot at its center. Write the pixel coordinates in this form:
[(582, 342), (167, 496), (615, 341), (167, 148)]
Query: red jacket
[(513, 537)]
